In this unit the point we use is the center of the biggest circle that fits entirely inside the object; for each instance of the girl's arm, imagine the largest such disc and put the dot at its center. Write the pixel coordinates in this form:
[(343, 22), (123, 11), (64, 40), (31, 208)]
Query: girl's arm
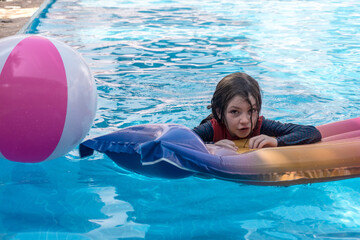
[(290, 134)]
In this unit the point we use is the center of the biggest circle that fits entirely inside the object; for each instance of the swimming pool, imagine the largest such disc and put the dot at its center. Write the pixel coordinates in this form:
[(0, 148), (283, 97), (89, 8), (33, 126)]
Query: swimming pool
[(158, 62)]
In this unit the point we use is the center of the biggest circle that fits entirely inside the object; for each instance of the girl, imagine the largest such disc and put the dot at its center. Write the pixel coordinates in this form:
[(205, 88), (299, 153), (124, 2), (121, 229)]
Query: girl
[(236, 105)]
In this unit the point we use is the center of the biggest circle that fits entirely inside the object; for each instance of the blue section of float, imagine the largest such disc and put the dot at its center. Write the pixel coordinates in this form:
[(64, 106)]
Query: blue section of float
[(155, 150)]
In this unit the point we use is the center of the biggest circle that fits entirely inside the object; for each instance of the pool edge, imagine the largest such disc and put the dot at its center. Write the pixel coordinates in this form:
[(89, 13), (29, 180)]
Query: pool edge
[(36, 15)]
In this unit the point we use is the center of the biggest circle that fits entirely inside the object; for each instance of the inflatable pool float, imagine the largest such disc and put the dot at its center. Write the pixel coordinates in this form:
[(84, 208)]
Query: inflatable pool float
[(174, 151)]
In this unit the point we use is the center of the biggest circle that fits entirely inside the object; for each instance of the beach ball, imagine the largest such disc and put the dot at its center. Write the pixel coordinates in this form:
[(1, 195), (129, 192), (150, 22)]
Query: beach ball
[(47, 98)]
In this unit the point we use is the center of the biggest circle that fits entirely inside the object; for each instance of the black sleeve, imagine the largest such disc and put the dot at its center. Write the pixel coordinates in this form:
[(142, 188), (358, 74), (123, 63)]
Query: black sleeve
[(290, 134), (205, 131)]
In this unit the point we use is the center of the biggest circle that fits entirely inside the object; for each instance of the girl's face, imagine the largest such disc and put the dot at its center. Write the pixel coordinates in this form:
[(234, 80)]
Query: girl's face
[(241, 117)]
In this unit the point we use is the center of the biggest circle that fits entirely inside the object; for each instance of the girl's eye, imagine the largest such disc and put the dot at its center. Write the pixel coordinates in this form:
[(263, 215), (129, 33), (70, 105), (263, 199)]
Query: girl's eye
[(253, 110), (234, 112)]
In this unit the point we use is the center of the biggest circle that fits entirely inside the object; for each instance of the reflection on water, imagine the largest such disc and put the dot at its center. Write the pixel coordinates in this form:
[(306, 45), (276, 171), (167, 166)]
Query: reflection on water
[(116, 224)]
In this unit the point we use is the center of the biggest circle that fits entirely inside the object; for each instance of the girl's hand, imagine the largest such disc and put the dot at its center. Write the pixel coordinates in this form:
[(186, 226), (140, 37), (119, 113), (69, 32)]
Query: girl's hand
[(262, 141), (227, 143)]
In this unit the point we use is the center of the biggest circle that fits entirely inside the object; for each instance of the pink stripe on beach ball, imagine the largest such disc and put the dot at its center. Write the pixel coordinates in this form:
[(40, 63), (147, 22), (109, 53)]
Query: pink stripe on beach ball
[(33, 90)]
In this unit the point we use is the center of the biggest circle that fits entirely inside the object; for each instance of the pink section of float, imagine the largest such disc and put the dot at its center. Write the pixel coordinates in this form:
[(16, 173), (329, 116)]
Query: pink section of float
[(34, 90), (347, 130)]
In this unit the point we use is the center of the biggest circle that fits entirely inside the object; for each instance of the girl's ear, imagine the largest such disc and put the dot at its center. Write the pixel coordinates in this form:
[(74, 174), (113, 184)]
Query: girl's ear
[(218, 113)]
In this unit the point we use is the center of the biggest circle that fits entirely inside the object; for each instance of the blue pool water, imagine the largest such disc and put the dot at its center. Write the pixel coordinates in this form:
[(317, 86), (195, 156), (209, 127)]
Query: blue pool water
[(158, 61)]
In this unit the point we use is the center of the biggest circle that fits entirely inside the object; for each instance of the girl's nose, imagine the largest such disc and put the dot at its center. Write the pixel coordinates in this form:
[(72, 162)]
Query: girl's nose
[(244, 118)]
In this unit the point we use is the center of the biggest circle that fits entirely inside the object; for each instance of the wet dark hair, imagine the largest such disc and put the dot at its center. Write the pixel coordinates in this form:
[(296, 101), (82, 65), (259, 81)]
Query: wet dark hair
[(235, 84)]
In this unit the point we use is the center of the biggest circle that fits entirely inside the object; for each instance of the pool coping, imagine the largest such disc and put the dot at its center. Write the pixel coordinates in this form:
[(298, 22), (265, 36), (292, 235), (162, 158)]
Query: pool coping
[(34, 19)]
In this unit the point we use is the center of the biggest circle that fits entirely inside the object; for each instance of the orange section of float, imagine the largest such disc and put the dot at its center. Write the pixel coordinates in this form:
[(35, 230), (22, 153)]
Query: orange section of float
[(337, 156)]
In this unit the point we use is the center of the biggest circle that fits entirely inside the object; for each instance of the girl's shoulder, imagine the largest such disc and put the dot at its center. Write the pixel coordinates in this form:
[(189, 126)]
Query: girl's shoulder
[(205, 131)]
